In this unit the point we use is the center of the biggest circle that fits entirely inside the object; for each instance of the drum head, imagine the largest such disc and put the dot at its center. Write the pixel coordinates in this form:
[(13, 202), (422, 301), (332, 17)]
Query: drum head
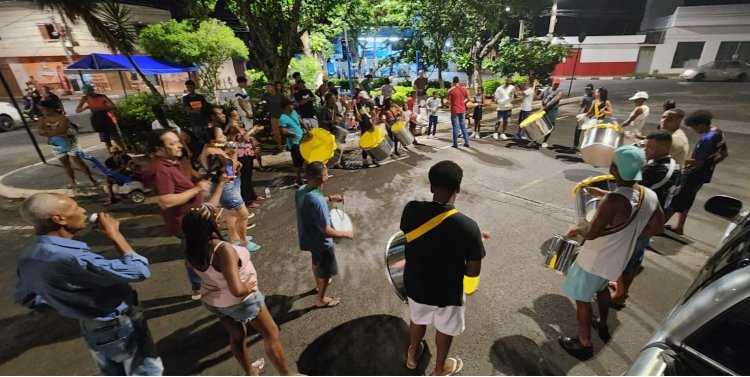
[(533, 118), (397, 126), (372, 138), (340, 220), (318, 146)]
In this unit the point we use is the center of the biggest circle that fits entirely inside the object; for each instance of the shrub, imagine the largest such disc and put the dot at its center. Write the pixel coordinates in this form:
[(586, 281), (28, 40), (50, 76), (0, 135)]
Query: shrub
[(399, 98), (308, 67), (376, 82), (405, 83), (134, 116), (491, 85), (436, 84), (441, 92), (519, 79), (257, 83)]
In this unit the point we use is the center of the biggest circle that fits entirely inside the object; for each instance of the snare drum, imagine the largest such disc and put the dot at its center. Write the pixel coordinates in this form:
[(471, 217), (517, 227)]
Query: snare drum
[(599, 143), (537, 126), (561, 254), (340, 221), (586, 204), (376, 143), (317, 145), (395, 261), (402, 134)]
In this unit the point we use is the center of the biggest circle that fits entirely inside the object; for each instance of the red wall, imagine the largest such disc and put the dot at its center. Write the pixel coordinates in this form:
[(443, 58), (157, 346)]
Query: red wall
[(592, 69)]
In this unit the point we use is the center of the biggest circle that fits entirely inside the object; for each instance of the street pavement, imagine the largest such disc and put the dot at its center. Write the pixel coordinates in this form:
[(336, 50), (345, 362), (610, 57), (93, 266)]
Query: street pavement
[(521, 196)]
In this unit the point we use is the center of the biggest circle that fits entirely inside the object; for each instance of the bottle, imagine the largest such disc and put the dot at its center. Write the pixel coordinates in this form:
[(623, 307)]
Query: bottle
[(268, 192), (93, 219)]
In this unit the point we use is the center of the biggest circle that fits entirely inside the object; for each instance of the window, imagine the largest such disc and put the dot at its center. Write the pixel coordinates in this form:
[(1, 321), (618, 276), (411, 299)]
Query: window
[(687, 54), (724, 339), (49, 31), (734, 51)]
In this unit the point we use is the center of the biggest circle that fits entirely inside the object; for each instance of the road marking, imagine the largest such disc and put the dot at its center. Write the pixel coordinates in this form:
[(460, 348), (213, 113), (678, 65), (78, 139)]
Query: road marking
[(8, 228), (532, 183), (445, 147), (392, 160)]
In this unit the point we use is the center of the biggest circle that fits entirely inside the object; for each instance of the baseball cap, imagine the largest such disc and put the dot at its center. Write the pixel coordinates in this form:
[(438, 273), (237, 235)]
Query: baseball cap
[(590, 86), (639, 95), (629, 160), (556, 80), (114, 149)]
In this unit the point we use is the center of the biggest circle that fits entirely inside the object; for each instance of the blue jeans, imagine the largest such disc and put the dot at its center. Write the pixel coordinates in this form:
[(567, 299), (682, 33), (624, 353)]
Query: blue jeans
[(458, 122), (123, 348), (432, 125)]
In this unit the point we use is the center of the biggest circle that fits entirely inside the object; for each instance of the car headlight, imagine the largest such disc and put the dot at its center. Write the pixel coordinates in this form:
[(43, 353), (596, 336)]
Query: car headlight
[(688, 72)]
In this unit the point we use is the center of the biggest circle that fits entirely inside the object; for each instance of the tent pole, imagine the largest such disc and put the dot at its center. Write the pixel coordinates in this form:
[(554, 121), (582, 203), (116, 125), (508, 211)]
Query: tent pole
[(163, 89), (23, 118), (119, 73)]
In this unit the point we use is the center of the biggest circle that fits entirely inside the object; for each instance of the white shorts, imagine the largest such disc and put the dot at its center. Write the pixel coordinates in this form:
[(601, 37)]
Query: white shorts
[(448, 320)]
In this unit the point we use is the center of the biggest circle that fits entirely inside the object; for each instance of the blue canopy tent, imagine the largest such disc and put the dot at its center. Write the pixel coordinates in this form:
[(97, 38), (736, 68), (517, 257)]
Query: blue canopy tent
[(112, 62)]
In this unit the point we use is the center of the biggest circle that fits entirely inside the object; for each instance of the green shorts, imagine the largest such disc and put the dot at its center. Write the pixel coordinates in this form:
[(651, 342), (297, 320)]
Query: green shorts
[(581, 285)]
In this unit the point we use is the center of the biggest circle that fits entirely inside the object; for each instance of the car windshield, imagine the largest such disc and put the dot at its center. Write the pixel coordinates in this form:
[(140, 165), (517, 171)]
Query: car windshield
[(707, 65), (734, 254)]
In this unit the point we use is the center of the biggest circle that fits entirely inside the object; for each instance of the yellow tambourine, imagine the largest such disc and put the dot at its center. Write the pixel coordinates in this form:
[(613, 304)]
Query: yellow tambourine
[(470, 284)]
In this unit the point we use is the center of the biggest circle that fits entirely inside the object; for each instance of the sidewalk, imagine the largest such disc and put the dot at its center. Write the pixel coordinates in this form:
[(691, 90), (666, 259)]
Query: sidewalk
[(38, 178)]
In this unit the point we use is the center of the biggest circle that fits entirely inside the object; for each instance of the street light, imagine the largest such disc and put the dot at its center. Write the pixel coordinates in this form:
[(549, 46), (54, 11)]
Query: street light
[(507, 9)]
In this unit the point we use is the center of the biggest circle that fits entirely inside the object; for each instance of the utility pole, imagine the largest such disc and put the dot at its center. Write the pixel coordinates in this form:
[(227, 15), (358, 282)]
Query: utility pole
[(23, 118), (520, 30), (346, 51), (552, 19)]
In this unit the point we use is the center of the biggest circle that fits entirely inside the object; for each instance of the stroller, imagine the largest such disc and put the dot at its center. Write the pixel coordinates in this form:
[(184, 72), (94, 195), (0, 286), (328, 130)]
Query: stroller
[(124, 186)]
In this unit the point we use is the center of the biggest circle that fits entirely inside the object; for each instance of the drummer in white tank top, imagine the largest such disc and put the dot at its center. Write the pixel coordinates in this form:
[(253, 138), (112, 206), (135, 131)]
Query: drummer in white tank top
[(606, 251), (638, 116)]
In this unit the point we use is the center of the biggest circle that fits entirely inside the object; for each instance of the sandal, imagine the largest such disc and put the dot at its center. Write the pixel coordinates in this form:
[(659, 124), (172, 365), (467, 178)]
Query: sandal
[(418, 356), (252, 205), (458, 364), (673, 230), (259, 365), (332, 303)]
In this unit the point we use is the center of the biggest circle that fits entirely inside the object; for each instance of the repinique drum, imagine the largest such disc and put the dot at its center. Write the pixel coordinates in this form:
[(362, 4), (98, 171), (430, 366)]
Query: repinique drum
[(395, 261), (340, 134), (561, 254), (599, 143), (340, 221), (537, 126), (318, 145), (586, 204), (376, 143), (402, 134)]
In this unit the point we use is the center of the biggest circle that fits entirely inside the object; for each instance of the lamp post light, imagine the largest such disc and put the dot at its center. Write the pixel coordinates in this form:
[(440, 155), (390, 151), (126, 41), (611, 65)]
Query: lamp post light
[(581, 38)]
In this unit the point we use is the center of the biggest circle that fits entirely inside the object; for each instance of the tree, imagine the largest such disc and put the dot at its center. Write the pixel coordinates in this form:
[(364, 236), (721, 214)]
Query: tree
[(210, 43), (356, 17), (108, 22), (273, 27), (539, 56)]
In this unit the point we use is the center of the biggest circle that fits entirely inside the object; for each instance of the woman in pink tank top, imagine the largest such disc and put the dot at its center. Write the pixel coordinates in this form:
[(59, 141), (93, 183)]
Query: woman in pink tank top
[(229, 289)]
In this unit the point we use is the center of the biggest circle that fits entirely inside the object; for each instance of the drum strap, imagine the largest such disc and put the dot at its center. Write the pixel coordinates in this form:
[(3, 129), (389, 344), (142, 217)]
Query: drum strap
[(622, 226), (429, 225)]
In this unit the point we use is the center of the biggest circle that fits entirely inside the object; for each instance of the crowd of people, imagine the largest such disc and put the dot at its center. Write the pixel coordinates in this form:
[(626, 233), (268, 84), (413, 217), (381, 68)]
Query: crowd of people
[(215, 158)]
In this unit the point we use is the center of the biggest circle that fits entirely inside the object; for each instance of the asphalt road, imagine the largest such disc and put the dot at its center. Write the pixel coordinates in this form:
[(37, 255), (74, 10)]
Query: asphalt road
[(522, 197)]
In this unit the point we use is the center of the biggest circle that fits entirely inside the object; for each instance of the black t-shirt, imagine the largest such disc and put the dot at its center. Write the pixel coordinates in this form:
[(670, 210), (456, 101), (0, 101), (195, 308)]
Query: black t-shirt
[(436, 261), (197, 101), (307, 110), (111, 164), (654, 172)]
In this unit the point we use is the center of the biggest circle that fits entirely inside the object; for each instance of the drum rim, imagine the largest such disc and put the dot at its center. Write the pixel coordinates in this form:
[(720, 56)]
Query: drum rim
[(533, 118), (388, 267)]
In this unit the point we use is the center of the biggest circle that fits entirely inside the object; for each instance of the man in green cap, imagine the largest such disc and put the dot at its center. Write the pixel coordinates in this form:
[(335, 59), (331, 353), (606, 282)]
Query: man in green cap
[(623, 215)]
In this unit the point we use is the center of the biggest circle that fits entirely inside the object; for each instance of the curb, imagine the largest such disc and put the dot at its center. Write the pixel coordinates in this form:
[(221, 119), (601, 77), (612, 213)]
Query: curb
[(616, 78)]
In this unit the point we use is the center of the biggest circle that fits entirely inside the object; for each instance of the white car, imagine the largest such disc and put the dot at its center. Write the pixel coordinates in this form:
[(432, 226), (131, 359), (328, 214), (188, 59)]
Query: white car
[(731, 70), (9, 117)]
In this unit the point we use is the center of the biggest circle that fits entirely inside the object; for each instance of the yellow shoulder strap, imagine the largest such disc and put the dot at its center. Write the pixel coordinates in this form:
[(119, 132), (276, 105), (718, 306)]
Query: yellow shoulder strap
[(429, 225)]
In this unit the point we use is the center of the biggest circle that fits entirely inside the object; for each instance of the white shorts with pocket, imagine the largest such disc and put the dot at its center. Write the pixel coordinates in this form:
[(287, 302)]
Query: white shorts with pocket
[(448, 320)]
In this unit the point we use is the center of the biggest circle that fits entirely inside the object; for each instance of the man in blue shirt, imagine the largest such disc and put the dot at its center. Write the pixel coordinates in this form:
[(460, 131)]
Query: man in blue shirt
[(699, 168), (290, 126), (64, 274), (315, 231)]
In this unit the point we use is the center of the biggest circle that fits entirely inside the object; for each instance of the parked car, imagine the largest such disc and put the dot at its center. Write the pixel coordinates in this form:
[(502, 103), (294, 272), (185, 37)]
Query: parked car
[(731, 70), (9, 117), (707, 332)]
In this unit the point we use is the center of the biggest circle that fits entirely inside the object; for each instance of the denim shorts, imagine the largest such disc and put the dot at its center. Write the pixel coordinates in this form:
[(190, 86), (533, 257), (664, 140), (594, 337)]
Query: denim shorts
[(325, 261), (504, 114), (243, 312), (638, 253), (581, 285), (231, 194)]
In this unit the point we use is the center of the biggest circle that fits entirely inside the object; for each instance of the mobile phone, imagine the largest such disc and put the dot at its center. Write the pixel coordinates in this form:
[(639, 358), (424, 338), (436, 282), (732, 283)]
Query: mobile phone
[(230, 169)]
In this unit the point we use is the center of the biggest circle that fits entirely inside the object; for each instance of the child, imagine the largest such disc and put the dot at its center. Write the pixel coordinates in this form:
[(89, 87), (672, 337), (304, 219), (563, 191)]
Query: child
[(433, 104), (477, 116)]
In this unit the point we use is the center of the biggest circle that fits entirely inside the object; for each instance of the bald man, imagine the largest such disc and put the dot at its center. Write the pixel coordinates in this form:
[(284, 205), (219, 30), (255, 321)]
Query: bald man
[(57, 272)]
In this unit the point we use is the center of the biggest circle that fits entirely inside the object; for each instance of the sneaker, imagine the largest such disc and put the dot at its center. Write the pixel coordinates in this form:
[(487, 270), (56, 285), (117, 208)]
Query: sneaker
[(494, 136), (73, 185), (473, 134), (250, 225), (196, 295), (502, 136), (574, 347), (545, 145)]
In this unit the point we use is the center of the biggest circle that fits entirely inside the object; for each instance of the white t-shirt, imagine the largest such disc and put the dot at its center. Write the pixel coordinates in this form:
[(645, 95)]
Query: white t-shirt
[(527, 98), (502, 97), (608, 255), (680, 147), (433, 104)]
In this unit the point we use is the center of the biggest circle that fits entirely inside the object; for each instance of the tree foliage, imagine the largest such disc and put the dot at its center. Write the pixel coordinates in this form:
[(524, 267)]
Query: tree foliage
[(209, 44), (539, 56)]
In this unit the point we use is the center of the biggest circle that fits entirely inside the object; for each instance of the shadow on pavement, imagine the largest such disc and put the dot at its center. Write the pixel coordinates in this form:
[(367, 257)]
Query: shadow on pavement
[(568, 158), (366, 346), (160, 307), (578, 175), (488, 158), (34, 329), (518, 355), (185, 351)]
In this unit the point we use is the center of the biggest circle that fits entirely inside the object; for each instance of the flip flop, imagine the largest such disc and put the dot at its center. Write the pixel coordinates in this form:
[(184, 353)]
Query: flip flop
[(259, 364), (616, 305), (422, 346), (458, 364), (332, 303), (672, 229)]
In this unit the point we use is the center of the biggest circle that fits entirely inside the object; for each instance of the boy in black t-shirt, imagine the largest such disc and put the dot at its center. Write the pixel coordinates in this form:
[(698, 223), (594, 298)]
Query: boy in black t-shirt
[(436, 262)]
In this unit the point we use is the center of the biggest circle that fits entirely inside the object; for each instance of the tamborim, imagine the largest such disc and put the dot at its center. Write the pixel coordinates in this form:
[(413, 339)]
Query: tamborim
[(586, 204), (317, 145), (537, 126), (376, 143), (599, 143), (395, 261), (561, 254), (402, 133), (340, 221)]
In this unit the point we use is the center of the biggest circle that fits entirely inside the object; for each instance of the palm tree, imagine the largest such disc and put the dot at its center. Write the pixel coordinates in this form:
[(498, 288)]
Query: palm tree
[(108, 22)]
